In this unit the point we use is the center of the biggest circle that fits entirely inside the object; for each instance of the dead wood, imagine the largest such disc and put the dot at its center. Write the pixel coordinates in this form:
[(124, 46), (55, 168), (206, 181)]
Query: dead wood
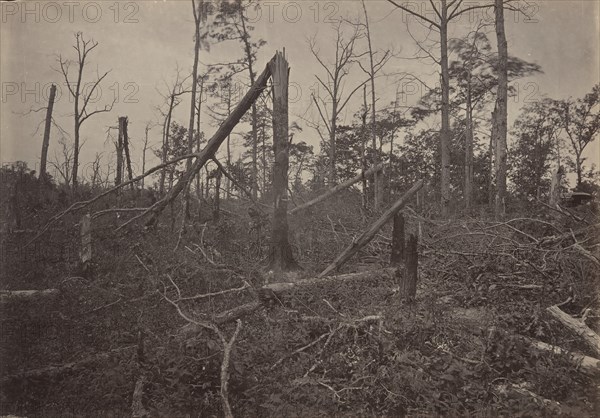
[(8, 296), (578, 327), (587, 365), (266, 293), (63, 368), (337, 189), (368, 235)]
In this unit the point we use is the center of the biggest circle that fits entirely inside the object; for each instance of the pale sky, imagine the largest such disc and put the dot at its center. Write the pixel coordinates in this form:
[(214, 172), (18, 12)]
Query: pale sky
[(142, 42)]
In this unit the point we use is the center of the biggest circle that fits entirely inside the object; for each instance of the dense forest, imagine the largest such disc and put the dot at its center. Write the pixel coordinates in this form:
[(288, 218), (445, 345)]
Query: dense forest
[(398, 243)]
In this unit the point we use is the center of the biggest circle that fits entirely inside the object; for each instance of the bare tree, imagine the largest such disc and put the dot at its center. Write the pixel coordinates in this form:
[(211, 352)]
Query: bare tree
[(80, 94), (333, 86), (172, 99), (374, 67), (64, 163), (447, 11)]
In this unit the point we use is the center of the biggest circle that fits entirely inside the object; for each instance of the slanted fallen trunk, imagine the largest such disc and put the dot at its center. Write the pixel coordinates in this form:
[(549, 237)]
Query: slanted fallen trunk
[(578, 327), (587, 365), (215, 142), (337, 189), (9, 296), (368, 235)]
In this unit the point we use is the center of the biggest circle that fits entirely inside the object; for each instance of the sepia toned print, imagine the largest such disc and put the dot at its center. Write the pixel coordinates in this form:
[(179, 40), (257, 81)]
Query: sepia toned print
[(299, 208)]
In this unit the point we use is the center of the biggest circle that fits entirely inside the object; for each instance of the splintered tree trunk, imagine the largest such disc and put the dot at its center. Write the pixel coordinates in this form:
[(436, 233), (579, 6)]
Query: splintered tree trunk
[(501, 110), (119, 174), (124, 122), (46, 142), (397, 255), (213, 144), (555, 187), (408, 281), (281, 251)]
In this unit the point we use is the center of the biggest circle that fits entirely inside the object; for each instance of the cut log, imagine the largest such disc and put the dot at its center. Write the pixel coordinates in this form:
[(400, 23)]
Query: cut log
[(8, 296), (578, 327), (337, 189), (368, 235)]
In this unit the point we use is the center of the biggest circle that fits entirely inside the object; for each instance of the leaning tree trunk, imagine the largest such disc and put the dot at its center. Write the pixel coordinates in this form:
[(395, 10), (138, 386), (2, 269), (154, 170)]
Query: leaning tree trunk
[(46, 142), (281, 251), (501, 110)]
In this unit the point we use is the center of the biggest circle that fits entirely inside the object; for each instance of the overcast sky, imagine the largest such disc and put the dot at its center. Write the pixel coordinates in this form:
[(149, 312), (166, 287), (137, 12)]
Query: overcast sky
[(142, 42)]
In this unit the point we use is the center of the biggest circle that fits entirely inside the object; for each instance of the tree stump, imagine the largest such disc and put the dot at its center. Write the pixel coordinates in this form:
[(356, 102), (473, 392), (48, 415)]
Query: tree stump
[(408, 281), (397, 255)]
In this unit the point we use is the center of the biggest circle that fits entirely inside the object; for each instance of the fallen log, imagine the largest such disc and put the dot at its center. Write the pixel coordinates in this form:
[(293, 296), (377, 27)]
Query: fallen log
[(587, 365), (578, 327), (337, 189), (368, 235), (8, 296), (266, 293), (63, 368)]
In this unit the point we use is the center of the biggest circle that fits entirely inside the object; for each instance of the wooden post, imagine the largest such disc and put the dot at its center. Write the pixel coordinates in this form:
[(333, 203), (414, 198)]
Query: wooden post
[(281, 258), (368, 235), (46, 141), (397, 255), (408, 281)]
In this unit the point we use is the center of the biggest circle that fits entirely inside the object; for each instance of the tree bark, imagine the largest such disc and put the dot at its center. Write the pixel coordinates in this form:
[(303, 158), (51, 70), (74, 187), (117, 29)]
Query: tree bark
[(124, 122), (501, 110), (368, 235), (281, 252), (408, 281), (397, 255), (578, 327), (46, 141), (119, 173)]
